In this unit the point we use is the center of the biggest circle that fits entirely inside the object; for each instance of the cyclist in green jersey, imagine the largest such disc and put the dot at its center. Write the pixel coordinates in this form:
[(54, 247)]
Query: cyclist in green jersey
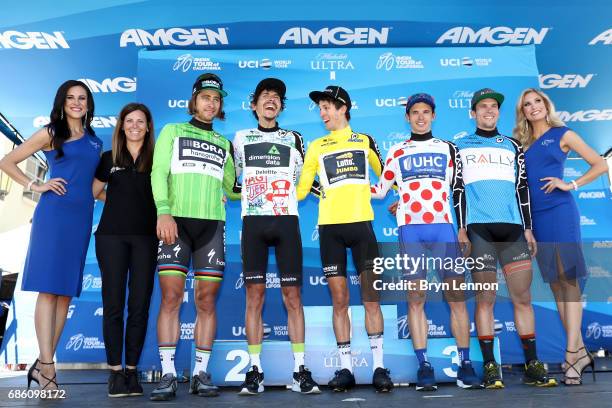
[(192, 167)]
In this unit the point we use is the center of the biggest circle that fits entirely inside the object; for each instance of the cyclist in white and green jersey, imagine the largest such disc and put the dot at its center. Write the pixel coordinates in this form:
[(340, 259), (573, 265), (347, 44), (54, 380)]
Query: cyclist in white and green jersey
[(192, 166), (270, 159)]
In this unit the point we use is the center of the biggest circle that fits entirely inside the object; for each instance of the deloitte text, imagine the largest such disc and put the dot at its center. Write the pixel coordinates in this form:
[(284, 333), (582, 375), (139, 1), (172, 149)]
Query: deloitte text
[(32, 39), (335, 36), (493, 35), (181, 37)]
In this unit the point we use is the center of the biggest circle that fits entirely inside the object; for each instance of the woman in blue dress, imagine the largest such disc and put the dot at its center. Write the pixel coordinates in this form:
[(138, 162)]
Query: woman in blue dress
[(555, 217), (61, 225)]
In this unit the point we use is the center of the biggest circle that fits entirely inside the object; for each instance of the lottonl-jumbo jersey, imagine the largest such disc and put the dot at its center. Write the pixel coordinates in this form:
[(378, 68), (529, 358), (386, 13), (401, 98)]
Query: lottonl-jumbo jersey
[(270, 161), (342, 159), (191, 165), (426, 169), (495, 179)]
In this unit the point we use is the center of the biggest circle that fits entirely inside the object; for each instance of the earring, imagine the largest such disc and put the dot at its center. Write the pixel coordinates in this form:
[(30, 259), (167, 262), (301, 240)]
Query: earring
[(525, 126), (86, 117), (62, 115), (547, 119)]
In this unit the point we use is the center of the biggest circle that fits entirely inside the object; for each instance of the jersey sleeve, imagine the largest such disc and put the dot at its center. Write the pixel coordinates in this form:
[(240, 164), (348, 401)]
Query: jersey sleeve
[(299, 146), (238, 148), (522, 189), (309, 171), (238, 145), (160, 171), (374, 156), (230, 181), (389, 172), (457, 186)]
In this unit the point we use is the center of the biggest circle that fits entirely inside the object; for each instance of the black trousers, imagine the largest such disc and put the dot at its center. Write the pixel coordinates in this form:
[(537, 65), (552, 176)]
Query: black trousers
[(126, 261)]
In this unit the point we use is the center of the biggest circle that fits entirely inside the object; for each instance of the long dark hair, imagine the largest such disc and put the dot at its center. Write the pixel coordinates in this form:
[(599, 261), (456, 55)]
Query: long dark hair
[(58, 126), (121, 154)]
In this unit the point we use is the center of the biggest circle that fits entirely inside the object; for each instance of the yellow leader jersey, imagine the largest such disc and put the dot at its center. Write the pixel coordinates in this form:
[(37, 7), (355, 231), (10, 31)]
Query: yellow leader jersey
[(342, 159)]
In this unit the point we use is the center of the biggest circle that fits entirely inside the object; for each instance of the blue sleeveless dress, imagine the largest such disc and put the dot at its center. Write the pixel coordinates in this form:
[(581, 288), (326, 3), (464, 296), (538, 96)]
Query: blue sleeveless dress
[(555, 217), (61, 226)]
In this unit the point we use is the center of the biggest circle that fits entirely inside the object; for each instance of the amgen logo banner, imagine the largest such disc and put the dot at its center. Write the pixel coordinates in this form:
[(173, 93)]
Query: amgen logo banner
[(335, 36), (33, 39), (549, 81), (493, 35), (182, 37)]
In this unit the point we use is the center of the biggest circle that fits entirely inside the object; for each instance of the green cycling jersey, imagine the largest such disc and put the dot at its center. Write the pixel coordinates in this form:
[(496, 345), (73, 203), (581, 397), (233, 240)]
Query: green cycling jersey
[(192, 166)]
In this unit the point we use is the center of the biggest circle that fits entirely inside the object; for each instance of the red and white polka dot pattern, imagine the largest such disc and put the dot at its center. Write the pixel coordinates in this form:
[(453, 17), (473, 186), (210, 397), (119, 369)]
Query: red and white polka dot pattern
[(424, 200)]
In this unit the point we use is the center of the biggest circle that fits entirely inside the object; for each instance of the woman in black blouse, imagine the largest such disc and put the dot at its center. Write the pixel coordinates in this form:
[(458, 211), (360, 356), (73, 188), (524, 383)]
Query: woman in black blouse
[(126, 244)]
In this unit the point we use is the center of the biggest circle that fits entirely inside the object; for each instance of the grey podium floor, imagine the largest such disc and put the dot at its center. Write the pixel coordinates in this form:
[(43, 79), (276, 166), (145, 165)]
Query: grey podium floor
[(88, 388)]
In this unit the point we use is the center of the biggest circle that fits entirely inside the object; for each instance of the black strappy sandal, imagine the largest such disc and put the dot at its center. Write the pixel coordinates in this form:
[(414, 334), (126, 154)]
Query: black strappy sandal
[(570, 366), (31, 374), (49, 380)]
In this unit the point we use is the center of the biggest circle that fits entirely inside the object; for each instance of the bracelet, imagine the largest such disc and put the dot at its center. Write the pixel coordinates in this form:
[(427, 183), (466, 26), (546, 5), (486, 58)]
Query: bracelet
[(575, 184), (29, 186)]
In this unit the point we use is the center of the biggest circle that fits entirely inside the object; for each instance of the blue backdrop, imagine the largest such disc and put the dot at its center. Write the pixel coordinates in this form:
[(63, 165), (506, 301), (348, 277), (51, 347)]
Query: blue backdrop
[(150, 52)]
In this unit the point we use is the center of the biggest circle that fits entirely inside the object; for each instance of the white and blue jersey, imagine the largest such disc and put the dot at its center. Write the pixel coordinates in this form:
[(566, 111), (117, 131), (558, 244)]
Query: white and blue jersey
[(495, 179)]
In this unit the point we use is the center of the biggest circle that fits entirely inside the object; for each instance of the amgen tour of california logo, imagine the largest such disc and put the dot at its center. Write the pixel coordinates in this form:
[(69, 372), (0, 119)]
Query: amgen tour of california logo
[(79, 341), (91, 282), (389, 61), (187, 62)]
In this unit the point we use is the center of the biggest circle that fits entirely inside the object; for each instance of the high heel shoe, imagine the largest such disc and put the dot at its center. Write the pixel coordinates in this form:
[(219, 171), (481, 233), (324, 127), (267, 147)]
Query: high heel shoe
[(31, 374), (49, 380), (570, 366)]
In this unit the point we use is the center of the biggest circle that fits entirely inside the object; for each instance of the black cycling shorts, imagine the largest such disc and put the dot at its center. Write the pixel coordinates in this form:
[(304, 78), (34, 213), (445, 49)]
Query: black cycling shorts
[(501, 242), (334, 239), (202, 242), (259, 232)]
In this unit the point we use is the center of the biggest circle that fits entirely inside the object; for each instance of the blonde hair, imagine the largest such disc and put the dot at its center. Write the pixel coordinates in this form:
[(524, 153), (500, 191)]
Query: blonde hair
[(523, 130)]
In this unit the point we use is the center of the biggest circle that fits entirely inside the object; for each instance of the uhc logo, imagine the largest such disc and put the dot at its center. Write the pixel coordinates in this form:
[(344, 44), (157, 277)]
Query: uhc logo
[(32, 39), (423, 165), (181, 37), (493, 35), (335, 36)]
